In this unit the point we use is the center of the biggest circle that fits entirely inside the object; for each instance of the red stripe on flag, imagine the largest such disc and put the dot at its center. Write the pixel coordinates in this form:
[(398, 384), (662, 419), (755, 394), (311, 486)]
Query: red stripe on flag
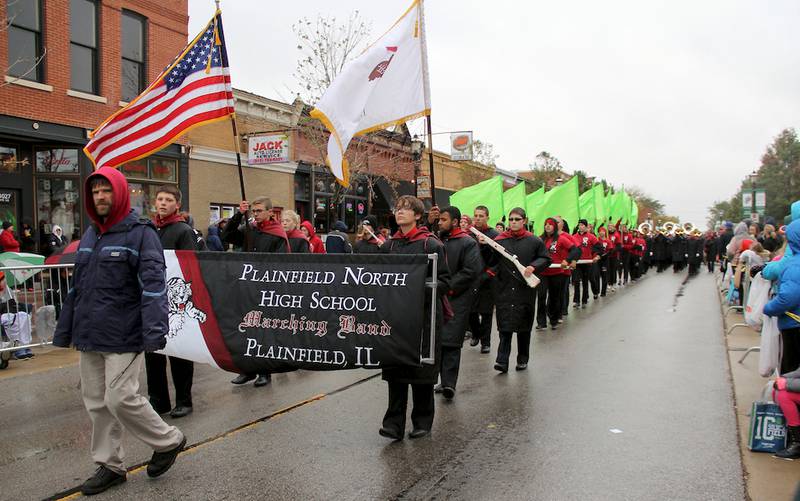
[(167, 138), (157, 126), (102, 137), (200, 296)]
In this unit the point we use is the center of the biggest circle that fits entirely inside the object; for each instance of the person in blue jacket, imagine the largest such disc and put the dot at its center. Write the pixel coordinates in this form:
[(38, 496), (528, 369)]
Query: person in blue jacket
[(117, 309), (786, 305), (773, 270)]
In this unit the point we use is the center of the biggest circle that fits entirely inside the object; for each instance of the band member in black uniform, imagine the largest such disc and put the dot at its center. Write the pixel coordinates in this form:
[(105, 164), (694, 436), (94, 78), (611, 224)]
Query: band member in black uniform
[(411, 239), (465, 265), (480, 320), (514, 299)]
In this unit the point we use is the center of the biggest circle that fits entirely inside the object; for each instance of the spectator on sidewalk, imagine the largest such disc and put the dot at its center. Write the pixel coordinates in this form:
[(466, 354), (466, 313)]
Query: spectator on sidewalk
[(315, 243), (15, 319), (337, 241), (786, 304), (56, 241), (787, 395), (8, 242)]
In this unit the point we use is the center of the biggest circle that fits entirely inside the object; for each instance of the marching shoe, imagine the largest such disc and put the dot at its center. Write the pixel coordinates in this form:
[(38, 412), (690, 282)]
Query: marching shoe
[(595, 296), (262, 380), (501, 368), (486, 349), (792, 450), (437, 388), (448, 392), (389, 433), (521, 367), (163, 461), (541, 327), (242, 379), (554, 327), (180, 411), (103, 479), (418, 433), (474, 341)]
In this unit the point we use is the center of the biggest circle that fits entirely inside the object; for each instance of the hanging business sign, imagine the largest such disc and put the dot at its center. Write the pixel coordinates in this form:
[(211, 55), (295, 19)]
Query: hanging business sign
[(461, 145), (267, 149)]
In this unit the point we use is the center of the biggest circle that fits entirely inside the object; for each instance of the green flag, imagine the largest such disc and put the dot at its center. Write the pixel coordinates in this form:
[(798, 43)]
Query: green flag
[(514, 197), (533, 206), (601, 215), (488, 193), (634, 221), (563, 201), (586, 202), (625, 208)]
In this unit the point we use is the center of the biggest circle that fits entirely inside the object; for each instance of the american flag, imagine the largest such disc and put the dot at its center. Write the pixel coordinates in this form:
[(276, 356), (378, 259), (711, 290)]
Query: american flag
[(195, 89)]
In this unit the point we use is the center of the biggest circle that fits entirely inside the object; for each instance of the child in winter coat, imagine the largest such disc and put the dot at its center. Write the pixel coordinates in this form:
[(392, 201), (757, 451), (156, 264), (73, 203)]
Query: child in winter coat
[(787, 395)]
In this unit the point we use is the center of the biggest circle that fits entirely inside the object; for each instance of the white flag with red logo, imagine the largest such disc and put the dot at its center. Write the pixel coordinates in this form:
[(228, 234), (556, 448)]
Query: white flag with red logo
[(386, 85)]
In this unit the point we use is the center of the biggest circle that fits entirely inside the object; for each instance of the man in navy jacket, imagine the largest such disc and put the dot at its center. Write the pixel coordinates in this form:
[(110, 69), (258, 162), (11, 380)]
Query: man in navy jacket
[(117, 309)]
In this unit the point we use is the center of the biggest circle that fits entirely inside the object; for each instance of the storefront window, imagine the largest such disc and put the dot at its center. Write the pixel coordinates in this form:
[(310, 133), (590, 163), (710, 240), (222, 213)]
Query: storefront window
[(143, 198), (8, 160), (57, 161), (136, 169), (58, 202), (164, 169)]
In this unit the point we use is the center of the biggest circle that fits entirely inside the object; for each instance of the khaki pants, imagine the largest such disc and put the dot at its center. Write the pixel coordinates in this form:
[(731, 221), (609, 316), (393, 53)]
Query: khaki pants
[(110, 385)]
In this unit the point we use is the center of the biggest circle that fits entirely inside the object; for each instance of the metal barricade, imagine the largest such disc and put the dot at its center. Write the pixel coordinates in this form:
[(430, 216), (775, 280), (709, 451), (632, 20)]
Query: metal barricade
[(29, 309)]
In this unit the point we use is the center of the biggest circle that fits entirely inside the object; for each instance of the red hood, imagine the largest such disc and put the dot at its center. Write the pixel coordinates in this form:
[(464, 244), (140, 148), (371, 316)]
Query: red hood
[(416, 233), (455, 233), (310, 228), (516, 235), (121, 206)]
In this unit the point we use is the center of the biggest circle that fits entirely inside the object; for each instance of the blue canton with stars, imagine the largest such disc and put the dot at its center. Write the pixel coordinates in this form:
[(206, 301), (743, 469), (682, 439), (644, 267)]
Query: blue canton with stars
[(196, 59)]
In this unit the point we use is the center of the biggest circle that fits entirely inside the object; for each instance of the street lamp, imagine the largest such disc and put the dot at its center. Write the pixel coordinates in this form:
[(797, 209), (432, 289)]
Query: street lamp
[(416, 156)]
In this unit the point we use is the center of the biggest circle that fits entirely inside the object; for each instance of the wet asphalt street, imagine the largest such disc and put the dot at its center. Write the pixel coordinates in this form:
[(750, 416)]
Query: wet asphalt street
[(631, 399)]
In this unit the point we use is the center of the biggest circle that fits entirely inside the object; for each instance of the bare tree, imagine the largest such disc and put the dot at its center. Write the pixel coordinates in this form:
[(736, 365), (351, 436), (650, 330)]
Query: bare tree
[(325, 46), (483, 152), (5, 24)]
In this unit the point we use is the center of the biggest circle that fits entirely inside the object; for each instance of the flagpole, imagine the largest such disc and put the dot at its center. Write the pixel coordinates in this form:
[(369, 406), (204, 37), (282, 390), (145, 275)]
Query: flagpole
[(430, 159), (238, 154), (235, 134)]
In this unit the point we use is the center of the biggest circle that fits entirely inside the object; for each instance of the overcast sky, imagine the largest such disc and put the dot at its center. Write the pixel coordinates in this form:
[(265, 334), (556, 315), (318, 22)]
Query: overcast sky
[(679, 98)]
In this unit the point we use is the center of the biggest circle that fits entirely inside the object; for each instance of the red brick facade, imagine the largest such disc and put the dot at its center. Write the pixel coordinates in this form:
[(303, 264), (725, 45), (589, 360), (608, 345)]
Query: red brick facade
[(166, 30)]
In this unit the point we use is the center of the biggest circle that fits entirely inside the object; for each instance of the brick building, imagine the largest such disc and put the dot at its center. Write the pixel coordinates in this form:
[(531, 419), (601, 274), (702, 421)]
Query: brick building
[(68, 65)]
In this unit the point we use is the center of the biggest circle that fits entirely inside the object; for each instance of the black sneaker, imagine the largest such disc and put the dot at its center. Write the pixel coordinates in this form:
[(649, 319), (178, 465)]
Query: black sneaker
[(501, 368), (437, 388), (448, 392), (263, 380), (486, 349), (163, 461), (541, 327), (180, 411), (102, 480), (243, 378), (474, 341)]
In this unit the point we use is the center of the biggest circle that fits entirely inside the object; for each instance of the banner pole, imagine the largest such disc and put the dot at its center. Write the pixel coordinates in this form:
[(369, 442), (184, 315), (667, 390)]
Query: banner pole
[(238, 155), (430, 159)]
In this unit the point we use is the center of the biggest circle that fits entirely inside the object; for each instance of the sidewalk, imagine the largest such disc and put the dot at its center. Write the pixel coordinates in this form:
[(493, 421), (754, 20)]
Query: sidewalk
[(766, 478), (46, 358)]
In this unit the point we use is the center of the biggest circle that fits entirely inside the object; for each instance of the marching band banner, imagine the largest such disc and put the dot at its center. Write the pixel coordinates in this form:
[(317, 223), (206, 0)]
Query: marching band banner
[(255, 313)]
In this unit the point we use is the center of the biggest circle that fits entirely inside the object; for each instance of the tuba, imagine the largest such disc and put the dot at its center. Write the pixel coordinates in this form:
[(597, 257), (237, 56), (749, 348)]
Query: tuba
[(644, 228), (668, 228)]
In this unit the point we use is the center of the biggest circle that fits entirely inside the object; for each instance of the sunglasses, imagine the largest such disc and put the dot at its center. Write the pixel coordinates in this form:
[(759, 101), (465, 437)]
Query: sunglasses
[(515, 219)]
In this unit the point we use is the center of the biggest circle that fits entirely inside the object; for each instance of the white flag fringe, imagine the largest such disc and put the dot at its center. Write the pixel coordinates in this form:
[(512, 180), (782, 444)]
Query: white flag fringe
[(386, 85)]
